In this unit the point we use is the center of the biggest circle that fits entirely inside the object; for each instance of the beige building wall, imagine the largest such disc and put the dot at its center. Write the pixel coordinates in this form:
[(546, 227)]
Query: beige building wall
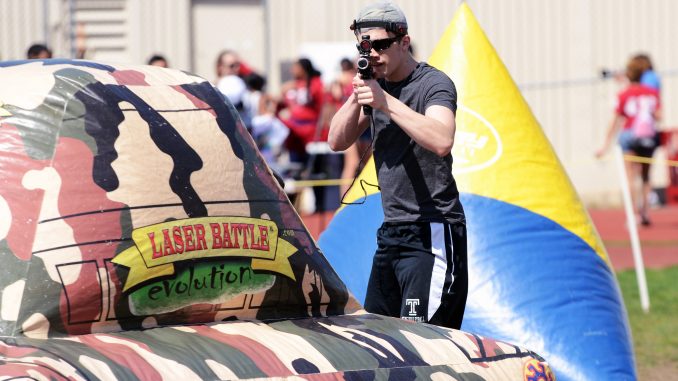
[(218, 25), (17, 36), (160, 27), (25, 22), (554, 49)]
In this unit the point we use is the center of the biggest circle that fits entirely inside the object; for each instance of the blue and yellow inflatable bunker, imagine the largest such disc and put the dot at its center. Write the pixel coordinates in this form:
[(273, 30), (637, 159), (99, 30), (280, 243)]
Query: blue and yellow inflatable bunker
[(538, 272)]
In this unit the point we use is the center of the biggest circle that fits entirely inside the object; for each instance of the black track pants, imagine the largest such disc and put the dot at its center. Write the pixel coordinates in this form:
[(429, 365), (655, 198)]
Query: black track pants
[(419, 273)]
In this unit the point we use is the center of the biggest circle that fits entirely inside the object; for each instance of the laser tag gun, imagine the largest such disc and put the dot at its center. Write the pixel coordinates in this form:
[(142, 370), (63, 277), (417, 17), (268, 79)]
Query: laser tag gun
[(364, 68)]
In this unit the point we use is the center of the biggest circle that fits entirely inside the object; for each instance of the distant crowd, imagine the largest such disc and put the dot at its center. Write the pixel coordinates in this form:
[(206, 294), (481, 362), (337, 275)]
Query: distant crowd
[(291, 128)]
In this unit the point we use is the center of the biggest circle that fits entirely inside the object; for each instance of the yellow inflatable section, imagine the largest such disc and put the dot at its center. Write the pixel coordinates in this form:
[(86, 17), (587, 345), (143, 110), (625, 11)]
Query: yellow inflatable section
[(492, 158)]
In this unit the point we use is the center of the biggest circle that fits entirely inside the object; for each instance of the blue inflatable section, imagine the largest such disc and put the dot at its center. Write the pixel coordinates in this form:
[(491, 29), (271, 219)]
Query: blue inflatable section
[(350, 240), (531, 282)]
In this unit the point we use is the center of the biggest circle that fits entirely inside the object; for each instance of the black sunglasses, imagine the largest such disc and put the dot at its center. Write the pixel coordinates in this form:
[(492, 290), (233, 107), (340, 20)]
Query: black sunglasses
[(385, 43)]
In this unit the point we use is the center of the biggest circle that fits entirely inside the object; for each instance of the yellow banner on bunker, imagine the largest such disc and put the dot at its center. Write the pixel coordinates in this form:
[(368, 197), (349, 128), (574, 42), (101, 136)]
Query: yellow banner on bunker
[(158, 246)]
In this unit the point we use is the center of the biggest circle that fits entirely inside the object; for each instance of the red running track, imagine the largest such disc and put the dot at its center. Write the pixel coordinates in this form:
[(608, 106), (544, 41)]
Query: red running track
[(658, 242)]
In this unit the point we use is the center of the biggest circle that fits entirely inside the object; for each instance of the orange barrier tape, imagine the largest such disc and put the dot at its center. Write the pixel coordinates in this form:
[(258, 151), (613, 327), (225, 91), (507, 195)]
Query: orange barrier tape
[(648, 160)]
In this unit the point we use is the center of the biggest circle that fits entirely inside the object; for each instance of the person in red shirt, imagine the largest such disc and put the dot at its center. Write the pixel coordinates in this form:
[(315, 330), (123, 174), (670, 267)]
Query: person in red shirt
[(303, 98), (638, 112)]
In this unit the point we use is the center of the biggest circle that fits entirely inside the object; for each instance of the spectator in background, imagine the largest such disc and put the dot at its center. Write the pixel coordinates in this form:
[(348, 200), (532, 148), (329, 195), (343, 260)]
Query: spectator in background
[(348, 71), (334, 99), (302, 101), (158, 60), (638, 111), (229, 82), (268, 131), (303, 98), (649, 77), (38, 52), (255, 99), (327, 164)]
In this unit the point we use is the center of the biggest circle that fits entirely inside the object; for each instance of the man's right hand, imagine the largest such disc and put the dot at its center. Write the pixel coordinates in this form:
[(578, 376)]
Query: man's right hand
[(348, 122)]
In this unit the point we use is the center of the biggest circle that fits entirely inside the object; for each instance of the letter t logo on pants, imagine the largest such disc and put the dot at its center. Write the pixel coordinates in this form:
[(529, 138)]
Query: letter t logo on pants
[(413, 303)]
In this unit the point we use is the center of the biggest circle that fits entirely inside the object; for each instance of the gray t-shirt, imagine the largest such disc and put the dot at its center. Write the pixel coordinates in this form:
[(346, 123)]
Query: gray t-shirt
[(416, 184)]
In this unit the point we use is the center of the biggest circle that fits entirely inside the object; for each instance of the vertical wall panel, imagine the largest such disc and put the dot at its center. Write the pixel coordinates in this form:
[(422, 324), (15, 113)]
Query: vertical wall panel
[(160, 27), (234, 25), (21, 24)]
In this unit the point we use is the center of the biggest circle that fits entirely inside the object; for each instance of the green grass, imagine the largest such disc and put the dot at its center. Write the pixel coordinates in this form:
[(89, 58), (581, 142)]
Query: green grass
[(655, 334)]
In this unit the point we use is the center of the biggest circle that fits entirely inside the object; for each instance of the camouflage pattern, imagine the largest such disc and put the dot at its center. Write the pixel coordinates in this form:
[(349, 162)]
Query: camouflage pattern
[(137, 220), (355, 347), (93, 153)]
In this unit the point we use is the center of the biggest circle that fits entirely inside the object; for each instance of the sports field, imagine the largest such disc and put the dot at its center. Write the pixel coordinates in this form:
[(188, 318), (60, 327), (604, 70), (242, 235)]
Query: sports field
[(655, 335)]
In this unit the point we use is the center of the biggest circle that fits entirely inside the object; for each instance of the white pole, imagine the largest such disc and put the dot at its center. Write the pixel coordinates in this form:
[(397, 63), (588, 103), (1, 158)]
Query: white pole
[(633, 230), (71, 27), (267, 37), (46, 24)]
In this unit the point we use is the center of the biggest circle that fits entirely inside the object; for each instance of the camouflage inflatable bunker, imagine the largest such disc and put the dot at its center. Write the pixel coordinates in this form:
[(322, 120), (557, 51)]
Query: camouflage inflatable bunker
[(143, 237)]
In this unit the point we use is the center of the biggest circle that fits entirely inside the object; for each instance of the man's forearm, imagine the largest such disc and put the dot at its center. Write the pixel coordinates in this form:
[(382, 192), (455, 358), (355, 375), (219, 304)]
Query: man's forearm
[(428, 132), (346, 125)]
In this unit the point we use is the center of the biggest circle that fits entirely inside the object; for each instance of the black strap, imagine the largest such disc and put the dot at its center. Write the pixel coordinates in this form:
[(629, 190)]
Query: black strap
[(395, 27)]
